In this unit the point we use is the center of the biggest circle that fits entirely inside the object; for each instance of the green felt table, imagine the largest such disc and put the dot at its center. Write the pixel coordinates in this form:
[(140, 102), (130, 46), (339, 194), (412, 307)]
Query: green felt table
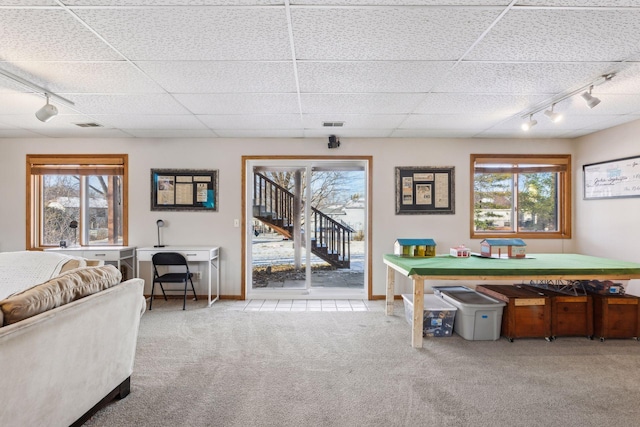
[(536, 265), (533, 267)]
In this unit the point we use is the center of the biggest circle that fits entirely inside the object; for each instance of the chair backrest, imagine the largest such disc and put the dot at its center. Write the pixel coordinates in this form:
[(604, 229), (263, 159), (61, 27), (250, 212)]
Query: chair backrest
[(169, 258)]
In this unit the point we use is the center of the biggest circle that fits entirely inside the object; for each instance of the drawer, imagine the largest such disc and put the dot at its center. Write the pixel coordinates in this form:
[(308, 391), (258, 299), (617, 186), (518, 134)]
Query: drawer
[(196, 255), (105, 255)]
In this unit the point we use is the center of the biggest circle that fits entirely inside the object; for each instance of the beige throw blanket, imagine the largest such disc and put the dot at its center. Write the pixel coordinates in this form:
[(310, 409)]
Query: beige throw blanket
[(22, 270)]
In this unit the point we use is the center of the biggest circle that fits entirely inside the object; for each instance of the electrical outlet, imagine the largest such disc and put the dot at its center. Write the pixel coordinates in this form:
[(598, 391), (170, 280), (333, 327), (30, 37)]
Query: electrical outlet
[(236, 223), (196, 275)]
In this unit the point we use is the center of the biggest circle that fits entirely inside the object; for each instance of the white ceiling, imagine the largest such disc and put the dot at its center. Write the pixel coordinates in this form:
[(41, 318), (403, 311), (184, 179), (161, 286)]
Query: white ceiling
[(280, 68)]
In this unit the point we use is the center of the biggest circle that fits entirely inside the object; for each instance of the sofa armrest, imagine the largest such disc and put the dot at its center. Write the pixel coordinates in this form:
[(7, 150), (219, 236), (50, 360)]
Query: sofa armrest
[(57, 365)]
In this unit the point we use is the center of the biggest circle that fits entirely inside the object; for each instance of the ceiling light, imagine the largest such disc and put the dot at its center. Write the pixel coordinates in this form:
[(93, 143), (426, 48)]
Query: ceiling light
[(591, 101), (529, 123), (47, 112), (553, 116)]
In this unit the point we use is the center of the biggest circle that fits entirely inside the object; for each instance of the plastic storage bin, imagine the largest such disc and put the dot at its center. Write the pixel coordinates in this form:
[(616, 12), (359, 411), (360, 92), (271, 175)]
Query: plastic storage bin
[(438, 318), (479, 317), (438, 290)]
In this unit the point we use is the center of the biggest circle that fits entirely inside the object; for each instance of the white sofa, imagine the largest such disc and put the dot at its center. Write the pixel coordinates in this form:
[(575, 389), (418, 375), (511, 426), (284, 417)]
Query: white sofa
[(58, 367)]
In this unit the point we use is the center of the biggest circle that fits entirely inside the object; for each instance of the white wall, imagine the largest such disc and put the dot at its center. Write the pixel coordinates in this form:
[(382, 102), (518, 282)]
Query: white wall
[(610, 227), (216, 228)]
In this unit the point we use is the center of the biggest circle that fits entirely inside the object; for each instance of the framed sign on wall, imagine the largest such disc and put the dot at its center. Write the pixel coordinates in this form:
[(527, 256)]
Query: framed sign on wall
[(612, 178), (184, 190), (425, 190)]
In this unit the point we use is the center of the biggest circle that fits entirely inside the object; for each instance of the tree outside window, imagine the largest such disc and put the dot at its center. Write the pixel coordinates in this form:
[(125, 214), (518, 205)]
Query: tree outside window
[(524, 196), (89, 191)]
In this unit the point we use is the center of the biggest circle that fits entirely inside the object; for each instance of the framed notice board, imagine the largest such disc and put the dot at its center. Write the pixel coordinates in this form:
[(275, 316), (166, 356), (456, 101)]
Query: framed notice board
[(184, 190), (612, 179), (425, 190)]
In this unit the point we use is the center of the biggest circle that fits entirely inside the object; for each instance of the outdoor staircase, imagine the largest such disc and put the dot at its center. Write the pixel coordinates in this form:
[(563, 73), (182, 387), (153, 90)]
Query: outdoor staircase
[(274, 206)]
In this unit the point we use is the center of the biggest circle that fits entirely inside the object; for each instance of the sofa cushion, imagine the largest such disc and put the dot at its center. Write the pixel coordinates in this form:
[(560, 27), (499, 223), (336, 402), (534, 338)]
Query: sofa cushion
[(67, 287)]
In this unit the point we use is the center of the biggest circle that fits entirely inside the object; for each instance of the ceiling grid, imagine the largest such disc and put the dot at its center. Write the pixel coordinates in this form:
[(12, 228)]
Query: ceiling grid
[(281, 68)]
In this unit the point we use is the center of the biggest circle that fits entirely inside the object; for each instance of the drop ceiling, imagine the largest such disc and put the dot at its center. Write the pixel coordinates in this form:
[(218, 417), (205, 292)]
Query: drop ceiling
[(281, 68)]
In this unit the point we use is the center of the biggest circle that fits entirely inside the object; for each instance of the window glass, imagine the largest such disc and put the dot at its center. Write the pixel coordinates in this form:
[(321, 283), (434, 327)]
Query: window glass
[(528, 197), (61, 205), (76, 200)]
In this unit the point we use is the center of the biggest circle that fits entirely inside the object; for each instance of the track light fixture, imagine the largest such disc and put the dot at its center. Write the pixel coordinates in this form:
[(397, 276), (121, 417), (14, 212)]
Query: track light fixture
[(591, 101), (553, 116), (529, 123), (47, 112)]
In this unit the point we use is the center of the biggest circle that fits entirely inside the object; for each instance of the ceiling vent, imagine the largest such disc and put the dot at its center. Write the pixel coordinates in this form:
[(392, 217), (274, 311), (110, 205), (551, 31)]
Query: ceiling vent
[(332, 124), (88, 125)]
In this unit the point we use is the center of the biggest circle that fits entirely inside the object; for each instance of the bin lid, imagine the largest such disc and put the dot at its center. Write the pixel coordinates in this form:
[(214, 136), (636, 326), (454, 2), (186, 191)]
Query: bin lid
[(432, 302), (458, 288), (472, 298)]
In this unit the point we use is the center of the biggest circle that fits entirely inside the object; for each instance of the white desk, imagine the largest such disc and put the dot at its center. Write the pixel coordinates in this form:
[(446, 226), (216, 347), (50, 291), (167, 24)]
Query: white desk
[(109, 254), (201, 254)]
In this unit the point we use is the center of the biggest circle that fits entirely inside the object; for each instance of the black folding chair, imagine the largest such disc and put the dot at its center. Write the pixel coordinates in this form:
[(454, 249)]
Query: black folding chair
[(178, 261)]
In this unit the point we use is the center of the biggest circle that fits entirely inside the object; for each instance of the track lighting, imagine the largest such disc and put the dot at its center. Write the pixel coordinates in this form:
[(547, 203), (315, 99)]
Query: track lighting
[(553, 116), (529, 124), (47, 112), (591, 101)]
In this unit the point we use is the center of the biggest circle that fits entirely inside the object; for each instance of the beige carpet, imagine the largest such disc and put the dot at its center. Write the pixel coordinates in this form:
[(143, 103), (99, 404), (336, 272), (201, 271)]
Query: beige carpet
[(223, 367)]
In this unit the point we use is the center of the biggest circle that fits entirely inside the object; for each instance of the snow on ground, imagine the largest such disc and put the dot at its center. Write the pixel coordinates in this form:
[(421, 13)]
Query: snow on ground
[(272, 249)]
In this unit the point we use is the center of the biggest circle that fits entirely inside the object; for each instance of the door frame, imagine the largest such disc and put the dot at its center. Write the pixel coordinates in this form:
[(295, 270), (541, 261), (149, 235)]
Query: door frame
[(245, 201)]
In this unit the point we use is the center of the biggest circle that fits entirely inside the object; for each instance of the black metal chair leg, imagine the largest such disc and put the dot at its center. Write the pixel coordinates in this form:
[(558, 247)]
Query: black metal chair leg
[(195, 297), (162, 289), (184, 301)]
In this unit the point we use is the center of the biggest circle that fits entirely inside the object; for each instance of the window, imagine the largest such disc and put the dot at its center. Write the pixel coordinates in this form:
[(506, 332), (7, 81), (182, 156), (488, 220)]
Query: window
[(79, 199), (521, 195)]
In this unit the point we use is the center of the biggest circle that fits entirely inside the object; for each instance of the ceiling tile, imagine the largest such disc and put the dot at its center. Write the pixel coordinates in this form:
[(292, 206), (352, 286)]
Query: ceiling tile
[(519, 78), (221, 76), (141, 121), (400, 2), (348, 133), (89, 77), (364, 76), (384, 103), (138, 3), (387, 33), (447, 121), (579, 3), (128, 104), (48, 35), (171, 133), (84, 133), (434, 133), (241, 103), (561, 35), (260, 133), (184, 33), (496, 106), (265, 121), (353, 121)]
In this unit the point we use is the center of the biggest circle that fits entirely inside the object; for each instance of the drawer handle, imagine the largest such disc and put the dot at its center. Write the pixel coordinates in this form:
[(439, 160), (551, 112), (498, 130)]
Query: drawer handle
[(99, 254), (192, 254)]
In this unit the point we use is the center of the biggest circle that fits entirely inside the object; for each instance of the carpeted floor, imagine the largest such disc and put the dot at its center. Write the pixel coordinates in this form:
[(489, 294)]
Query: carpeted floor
[(221, 366)]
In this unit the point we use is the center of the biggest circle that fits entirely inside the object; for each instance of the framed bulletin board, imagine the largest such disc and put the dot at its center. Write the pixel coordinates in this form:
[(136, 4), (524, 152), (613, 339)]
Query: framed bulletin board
[(425, 190), (184, 190), (612, 179)]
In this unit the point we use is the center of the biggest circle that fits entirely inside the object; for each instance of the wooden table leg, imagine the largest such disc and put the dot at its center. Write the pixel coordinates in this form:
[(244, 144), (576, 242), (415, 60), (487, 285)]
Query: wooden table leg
[(418, 313), (391, 280)]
